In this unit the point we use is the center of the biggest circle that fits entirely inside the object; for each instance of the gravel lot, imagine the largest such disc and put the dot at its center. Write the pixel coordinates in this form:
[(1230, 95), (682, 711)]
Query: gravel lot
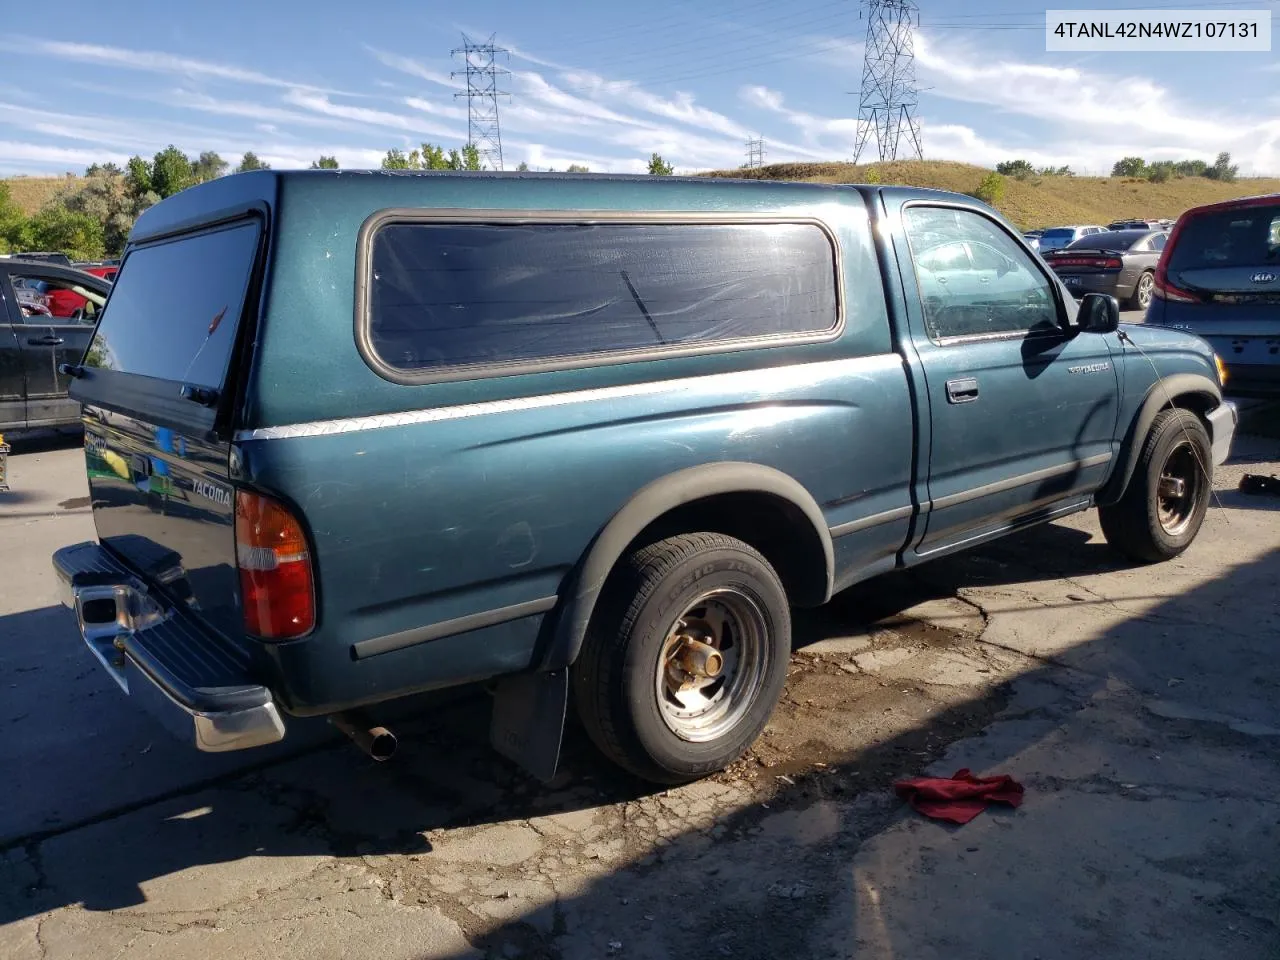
[(1140, 706)]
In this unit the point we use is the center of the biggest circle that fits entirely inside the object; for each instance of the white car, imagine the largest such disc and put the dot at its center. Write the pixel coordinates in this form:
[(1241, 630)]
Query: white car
[(1055, 238)]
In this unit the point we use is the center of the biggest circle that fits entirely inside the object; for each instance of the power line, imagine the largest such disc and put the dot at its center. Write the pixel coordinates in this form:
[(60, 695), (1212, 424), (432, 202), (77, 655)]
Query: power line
[(889, 98), (755, 153), (481, 72)]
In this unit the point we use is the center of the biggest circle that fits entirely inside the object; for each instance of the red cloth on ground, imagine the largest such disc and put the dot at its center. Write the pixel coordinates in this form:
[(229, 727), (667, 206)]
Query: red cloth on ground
[(959, 798)]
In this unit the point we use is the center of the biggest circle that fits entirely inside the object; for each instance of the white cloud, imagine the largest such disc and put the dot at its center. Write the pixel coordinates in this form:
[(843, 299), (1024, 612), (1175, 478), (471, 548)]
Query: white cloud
[(1136, 114), (149, 61), (61, 157), (413, 68), (321, 104)]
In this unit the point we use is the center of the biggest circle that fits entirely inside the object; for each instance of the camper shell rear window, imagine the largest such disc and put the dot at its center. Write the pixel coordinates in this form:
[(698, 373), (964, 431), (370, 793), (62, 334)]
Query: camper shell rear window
[(175, 305)]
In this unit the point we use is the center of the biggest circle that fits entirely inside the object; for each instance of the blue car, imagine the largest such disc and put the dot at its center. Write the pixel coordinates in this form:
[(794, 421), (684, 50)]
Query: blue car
[(368, 434)]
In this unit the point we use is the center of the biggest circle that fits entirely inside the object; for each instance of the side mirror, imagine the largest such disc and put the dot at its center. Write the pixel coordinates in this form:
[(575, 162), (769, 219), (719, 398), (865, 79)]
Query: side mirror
[(1099, 313)]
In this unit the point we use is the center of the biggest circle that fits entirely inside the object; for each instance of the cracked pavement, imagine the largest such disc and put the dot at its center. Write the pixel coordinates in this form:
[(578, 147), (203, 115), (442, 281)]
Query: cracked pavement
[(1138, 705)]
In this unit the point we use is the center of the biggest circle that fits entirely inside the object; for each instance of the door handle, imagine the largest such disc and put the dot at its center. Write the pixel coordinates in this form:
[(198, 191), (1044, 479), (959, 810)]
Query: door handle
[(962, 391), (45, 341)]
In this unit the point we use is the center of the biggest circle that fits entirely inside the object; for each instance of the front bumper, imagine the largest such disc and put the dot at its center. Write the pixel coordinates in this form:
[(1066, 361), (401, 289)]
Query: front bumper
[(1223, 420), (198, 685)]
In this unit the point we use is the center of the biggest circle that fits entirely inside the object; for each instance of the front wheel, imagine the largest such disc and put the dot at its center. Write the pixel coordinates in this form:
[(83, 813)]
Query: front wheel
[(1167, 497), (685, 657)]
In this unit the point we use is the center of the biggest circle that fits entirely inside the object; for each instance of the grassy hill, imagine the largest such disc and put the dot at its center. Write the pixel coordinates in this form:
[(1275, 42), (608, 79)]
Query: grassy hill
[(1036, 202), (30, 193)]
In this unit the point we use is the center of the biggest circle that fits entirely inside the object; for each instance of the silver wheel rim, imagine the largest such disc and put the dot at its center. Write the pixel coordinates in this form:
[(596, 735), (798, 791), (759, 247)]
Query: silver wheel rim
[(723, 623), (1145, 283), (1179, 488)]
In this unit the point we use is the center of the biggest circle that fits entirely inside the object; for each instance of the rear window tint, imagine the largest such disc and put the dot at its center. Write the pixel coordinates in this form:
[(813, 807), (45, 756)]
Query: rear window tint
[(1107, 241), (450, 295), (1058, 234), (1244, 237), (174, 307)]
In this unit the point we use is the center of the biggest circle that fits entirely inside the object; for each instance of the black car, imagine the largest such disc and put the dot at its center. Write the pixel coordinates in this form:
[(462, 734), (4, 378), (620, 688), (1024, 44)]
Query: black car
[(44, 257), (1121, 263), (47, 316)]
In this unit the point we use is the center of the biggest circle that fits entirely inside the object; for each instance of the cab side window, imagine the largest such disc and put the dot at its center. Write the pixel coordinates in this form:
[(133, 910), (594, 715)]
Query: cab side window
[(996, 289), (48, 300)]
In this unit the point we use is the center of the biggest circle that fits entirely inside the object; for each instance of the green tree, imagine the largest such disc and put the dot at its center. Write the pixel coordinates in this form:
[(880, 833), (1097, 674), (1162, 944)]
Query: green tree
[(76, 234), (325, 163), (397, 160), (1052, 171), (109, 199), (171, 172), (1018, 169), (1222, 169), (522, 167), (659, 167), (250, 161), (210, 166), (12, 221), (991, 189), (470, 157), (1191, 168), (139, 176), (1161, 171), (578, 168), (1130, 167)]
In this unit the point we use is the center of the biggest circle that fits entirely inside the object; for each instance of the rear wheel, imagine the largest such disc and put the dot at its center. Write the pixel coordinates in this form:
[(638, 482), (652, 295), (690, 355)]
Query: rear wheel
[(685, 657), (1141, 298), (1168, 494)]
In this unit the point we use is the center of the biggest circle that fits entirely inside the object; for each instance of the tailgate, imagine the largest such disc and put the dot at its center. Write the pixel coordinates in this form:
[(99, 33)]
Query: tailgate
[(156, 385)]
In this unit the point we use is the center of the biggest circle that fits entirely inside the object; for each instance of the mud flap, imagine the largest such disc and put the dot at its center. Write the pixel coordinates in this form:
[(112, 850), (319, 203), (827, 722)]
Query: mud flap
[(528, 720)]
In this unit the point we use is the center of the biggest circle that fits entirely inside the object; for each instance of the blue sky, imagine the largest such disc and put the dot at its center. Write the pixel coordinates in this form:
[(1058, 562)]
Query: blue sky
[(602, 84)]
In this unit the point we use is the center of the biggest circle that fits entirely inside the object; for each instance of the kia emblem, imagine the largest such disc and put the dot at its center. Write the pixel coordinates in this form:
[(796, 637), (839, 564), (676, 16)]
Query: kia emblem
[(1263, 277)]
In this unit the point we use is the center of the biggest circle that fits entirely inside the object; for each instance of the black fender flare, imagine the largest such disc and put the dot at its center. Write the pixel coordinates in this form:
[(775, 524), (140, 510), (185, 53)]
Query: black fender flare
[(648, 504), (1164, 392)]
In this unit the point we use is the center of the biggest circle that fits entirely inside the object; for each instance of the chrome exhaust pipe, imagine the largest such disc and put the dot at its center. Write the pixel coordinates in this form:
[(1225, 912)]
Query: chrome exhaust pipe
[(378, 743)]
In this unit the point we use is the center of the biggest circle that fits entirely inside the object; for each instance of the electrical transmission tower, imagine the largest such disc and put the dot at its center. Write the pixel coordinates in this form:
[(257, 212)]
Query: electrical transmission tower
[(888, 100), (755, 153), (481, 72)]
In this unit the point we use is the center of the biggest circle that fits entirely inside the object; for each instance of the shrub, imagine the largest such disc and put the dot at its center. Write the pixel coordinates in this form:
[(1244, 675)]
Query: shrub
[(991, 189), (1018, 169)]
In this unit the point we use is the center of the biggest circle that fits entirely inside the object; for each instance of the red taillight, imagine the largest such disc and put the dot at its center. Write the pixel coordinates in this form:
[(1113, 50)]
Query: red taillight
[(1162, 288), (276, 584), (1165, 290)]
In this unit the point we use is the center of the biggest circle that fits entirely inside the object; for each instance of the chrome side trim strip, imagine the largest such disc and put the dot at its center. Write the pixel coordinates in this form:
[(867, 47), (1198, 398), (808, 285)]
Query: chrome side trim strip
[(989, 489), (449, 628), (875, 520), (761, 384)]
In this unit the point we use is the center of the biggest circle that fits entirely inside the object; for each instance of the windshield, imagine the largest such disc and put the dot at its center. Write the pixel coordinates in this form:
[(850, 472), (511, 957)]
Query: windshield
[(175, 306), (1243, 237), (1107, 241)]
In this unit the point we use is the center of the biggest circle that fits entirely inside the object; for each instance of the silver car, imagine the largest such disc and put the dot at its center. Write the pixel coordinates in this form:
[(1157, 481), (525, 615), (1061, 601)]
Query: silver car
[(1055, 238)]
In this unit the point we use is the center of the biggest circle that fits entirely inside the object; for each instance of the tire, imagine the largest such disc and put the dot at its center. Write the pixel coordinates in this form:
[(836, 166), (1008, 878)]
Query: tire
[(1141, 298), (723, 591), (1150, 522)]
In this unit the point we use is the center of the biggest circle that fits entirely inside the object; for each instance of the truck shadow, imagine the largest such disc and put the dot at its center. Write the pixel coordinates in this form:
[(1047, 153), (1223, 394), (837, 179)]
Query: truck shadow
[(266, 819)]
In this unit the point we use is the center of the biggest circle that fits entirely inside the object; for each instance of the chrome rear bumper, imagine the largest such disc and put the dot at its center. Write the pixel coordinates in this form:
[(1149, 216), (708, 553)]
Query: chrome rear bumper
[(197, 685)]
